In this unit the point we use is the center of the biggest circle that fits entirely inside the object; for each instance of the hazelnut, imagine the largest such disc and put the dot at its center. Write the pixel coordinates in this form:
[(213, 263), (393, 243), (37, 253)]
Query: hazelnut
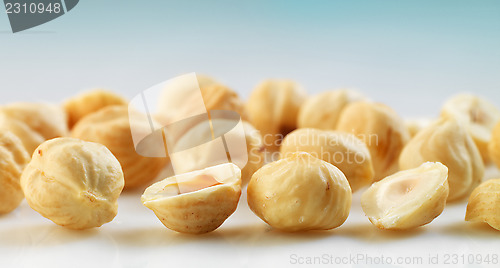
[(273, 109), (447, 141), (407, 199), (110, 126), (88, 102), (484, 204), (381, 129), (300, 193), (73, 183), (14, 158), (323, 110), (196, 202), (340, 149), (477, 114)]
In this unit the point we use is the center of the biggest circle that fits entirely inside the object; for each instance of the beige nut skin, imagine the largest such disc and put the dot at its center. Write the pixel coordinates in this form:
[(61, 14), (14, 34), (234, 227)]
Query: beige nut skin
[(88, 102), (198, 210), (300, 193), (73, 183), (273, 108), (29, 138), (110, 126), (407, 199), (323, 110), (219, 97), (47, 119), (447, 141), (494, 146), (14, 158), (37, 122), (382, 130), (478, 115), (484, 204), (340, 149)]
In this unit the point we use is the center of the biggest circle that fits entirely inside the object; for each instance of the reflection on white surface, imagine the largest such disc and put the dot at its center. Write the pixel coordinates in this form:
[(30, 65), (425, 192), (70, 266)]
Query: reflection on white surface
[(137, 239)]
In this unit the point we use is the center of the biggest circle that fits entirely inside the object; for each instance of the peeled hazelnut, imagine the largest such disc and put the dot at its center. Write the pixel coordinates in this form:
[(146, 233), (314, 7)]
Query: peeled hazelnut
[(323, 110), (407, 199), (88, 102), (300, 193), (196, 202), (478, 115), (447, 141), (29, 138), (110, 126), (273, 109), (381, 129), (340, 149), (73, 183), (484, 204), (14, 158), (494, 146)]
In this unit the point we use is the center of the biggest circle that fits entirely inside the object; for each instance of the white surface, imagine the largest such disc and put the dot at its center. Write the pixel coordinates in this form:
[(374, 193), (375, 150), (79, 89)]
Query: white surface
[(136, 238)]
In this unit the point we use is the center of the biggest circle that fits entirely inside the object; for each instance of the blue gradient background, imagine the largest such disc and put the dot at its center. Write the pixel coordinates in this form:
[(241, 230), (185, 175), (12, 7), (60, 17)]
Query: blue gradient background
[(411, 55)]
